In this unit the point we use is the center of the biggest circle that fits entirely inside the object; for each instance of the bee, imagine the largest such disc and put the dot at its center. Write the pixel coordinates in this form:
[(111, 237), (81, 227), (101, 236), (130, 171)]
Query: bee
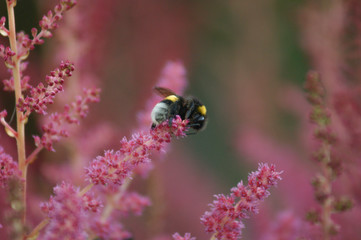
[(186, 107)]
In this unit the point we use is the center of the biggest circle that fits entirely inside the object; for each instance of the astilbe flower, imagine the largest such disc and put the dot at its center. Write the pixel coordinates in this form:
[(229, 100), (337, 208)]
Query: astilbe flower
[(42, 95), (6, 53), (67, 213), (8, 168), (115, 167), (109, 229), (91, 203), (55, 128), (132, 202), (224, 219), (25, 44), (187, 236), (47, 23)]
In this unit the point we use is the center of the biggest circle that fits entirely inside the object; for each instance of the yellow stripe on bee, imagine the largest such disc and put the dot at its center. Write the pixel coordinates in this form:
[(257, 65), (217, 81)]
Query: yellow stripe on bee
[(172, 98), (202, 110)]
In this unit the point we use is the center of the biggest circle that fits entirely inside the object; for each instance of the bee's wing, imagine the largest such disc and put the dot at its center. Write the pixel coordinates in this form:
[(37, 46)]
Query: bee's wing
[(164, 92)]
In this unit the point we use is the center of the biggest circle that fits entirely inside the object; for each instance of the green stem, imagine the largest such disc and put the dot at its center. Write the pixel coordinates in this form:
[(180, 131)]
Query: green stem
[(20, 140), (37, 229)]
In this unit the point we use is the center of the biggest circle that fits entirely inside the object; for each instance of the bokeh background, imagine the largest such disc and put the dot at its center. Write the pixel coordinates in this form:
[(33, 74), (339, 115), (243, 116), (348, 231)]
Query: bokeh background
[(246, 61)]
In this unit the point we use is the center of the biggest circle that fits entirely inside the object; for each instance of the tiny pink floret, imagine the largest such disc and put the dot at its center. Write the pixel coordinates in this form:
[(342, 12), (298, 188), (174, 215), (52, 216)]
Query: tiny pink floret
[(8, 168), (187, 236)]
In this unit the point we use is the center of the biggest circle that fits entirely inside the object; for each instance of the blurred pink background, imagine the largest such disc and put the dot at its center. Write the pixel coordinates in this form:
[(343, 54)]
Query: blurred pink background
[(246, 61)]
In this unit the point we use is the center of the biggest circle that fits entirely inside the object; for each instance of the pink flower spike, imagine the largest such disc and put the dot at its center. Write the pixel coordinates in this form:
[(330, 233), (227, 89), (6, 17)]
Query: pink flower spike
[(8, 168), (224, 218), (109, 229), (67, 212), (115, 167), (42, 95), (47, 23), (132, 202), (56, 126), (187, 236)]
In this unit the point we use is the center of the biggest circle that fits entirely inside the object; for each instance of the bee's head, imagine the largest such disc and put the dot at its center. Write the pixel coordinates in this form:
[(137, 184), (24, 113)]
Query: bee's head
[(198, 120)]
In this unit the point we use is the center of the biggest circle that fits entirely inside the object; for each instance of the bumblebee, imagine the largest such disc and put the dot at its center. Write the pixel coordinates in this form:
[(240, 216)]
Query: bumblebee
[(186, 107)]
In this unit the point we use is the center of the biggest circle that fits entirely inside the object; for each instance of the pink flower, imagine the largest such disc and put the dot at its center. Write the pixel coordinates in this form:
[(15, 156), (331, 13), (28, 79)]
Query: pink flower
[(42, 95), (132, 202), (109, 229), (224, 219), (47, 23), (91, 203), (115, 167), (187, 236), (6, 53), (8, 168), (67, 211), (57, 123)]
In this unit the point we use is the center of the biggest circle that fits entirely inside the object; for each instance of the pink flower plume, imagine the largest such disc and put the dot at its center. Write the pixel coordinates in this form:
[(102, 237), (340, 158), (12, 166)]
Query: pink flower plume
[(67, 213), (224, 218), (115, 167)]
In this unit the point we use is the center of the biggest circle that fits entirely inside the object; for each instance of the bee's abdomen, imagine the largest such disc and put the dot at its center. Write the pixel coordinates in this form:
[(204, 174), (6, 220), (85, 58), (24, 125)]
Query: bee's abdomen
[(160, 112)]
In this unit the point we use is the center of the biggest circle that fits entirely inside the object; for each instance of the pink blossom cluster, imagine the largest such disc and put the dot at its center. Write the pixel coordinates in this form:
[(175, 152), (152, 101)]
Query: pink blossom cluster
[(24, 79), (6, 53), (25, 44), (224, 219), (187, 236), (109, 229), (67, 212), (115, 167), (55, 128), (47, 23), (42, 95), (132, 202), (8, 168)]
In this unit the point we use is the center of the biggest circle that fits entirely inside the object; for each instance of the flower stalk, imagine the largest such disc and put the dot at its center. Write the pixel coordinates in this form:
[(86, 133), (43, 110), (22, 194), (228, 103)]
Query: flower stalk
[(322, 183), (20, 123)]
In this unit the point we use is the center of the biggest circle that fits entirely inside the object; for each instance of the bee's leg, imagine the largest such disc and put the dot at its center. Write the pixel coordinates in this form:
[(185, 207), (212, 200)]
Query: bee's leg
[(190, 110), (153, 126), (194, 125), (172, 112), (170, 121)]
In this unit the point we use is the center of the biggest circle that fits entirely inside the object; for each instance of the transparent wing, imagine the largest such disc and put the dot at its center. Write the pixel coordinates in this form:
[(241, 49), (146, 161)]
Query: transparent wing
[(164, 92)]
